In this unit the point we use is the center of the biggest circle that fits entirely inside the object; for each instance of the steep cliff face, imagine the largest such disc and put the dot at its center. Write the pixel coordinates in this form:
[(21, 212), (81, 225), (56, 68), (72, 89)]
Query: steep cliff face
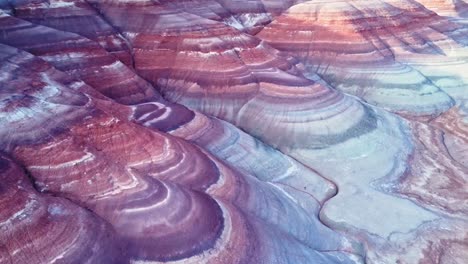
[(220, 131)]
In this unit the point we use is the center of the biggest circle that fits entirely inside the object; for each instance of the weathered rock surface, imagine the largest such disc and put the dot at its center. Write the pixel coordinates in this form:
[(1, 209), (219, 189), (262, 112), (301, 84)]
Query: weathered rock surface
[(217, 131)]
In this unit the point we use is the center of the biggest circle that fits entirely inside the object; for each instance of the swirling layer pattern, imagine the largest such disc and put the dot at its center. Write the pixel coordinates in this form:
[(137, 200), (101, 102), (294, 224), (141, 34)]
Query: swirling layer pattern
[(215, 131)]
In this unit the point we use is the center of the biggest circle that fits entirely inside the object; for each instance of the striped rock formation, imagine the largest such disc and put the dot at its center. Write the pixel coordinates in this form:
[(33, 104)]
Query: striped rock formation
[(212, 131), (127, 174), (41, 228), (376, 53), (450, 8)]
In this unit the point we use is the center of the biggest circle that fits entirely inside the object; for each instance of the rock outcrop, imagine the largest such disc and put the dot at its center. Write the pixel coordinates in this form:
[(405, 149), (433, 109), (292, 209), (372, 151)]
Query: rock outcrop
[(217, 131)]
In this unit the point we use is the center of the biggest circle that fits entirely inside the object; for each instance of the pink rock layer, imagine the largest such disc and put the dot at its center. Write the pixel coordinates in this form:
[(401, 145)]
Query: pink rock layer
[(219, 131)]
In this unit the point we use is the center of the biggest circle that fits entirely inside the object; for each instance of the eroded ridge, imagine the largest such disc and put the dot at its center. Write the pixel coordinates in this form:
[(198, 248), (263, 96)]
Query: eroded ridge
[(217, 131)]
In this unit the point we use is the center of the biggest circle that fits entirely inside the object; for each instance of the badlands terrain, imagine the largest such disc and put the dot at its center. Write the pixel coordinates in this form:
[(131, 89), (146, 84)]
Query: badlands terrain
[(234, 131)]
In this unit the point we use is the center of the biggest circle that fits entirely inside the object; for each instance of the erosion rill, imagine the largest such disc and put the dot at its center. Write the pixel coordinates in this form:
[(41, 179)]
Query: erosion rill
[(234, 131)]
